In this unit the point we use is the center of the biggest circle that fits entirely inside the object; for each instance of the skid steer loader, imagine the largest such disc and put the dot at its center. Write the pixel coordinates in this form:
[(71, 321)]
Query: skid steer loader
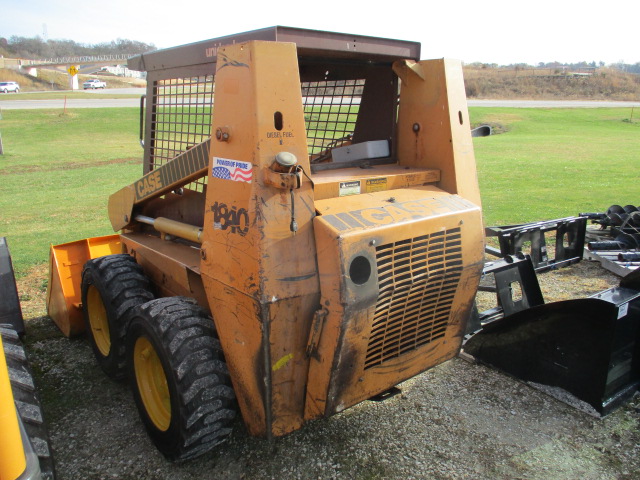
[(306, 234)]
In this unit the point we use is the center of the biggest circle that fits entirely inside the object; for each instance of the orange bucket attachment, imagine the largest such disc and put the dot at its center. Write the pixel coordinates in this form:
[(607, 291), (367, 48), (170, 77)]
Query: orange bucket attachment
[(65, 277)]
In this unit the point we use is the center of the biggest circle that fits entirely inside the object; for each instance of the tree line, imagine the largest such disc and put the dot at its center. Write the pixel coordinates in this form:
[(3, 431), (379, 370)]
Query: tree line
[(624, 67), (37, 48)]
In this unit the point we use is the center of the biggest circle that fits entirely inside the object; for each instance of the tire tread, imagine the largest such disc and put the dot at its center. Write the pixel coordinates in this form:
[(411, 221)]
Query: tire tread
[(123, 287), (207, 405), (26, 399)]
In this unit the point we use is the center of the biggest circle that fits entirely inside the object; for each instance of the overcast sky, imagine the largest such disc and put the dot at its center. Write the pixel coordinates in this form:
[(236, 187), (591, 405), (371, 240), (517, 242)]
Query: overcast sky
[(494, 31)]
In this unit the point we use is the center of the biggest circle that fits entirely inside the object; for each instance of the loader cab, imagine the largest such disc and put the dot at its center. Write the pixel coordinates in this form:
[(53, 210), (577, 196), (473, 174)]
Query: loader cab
[(349, 89), (350, 86)]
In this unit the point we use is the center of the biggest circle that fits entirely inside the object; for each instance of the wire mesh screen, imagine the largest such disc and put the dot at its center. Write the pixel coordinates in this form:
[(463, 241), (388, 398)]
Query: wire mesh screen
[(182, 108), (330, 111), (181, 119)]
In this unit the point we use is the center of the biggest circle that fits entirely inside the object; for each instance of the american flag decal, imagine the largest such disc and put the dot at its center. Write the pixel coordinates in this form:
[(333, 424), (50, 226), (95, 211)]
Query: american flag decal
[(235, 170)]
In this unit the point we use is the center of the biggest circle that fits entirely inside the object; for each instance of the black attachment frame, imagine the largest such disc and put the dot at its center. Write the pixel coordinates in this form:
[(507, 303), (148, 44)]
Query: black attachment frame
[(516, 286), (569, 241)]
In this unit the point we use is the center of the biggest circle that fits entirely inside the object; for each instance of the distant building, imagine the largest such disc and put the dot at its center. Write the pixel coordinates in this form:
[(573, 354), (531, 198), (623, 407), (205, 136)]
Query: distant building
[(122, 71)]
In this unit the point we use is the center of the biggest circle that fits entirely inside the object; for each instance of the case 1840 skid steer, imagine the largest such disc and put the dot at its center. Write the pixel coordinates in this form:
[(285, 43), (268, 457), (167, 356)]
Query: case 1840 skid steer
[(306, 234)]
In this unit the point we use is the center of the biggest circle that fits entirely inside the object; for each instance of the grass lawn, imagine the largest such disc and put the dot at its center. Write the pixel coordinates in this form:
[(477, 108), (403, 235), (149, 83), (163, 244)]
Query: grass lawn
[(554, 163), (58, 171)]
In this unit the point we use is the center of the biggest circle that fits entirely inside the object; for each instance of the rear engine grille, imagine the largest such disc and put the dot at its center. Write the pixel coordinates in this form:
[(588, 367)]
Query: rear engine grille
[(417, 280)]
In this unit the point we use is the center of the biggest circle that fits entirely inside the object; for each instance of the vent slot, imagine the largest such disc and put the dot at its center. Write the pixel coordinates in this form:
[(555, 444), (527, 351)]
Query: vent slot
[(417, 281)]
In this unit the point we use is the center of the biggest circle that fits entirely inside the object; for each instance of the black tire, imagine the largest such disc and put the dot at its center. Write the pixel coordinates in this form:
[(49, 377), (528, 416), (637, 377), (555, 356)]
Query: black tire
[(112, 286), (26, 399), (179, 378)]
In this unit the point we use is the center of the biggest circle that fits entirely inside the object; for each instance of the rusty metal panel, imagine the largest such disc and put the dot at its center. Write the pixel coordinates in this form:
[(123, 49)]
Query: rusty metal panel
[(258, 251), (398, 278), (333, 44)]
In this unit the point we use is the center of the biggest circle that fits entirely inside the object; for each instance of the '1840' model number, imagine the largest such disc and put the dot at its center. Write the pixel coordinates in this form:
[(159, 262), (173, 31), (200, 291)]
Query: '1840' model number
[(235, 219)]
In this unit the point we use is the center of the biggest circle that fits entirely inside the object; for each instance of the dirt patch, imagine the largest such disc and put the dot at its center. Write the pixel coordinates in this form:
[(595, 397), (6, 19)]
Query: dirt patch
[(458, 420)]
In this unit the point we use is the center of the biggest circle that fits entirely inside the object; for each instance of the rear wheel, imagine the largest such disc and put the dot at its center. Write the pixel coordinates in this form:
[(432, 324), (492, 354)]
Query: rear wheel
[(112, 287), (179, 378)]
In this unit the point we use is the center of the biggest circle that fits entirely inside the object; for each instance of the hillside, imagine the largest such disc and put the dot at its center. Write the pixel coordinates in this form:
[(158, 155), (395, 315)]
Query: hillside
[(481, 83), (551, 84), (51, 80)]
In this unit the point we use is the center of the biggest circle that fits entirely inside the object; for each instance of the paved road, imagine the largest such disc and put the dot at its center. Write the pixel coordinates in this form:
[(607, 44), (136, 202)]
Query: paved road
[(134, 102), (14, 103)]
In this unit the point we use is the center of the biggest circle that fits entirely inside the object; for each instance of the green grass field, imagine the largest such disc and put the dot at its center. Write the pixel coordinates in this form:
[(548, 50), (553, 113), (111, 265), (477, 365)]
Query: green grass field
[(58, 171), (553, 163)]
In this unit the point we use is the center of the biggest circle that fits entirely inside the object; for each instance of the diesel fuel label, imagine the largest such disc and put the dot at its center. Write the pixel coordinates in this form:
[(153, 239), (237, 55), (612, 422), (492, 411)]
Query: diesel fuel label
[(376, 185), (350, 188), (279, 134)]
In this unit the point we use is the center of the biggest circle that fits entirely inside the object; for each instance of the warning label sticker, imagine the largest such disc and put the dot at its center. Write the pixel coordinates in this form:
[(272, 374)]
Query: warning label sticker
[(376, 185), (350, 188)]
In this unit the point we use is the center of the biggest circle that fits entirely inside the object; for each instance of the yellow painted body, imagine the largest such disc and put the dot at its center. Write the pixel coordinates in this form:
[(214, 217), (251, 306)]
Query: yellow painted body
[(12, 458), (264, 282), (326, 288), (65, 275), (410, 314), (260, 277)]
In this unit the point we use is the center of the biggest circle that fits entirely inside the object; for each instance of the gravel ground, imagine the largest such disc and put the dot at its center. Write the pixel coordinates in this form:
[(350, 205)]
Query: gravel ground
[(458, 420)]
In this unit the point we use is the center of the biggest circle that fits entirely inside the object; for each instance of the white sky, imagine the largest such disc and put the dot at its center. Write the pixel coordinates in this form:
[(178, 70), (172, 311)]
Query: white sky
[(493, 31)]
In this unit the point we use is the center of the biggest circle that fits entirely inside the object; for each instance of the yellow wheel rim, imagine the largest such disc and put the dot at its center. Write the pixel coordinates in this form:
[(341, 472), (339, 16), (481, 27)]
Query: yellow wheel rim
[(152, 383), (98, 320)]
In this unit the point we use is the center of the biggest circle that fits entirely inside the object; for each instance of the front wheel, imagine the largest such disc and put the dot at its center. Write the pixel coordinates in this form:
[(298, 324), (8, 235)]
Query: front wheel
[(179, 378), (112, 286)]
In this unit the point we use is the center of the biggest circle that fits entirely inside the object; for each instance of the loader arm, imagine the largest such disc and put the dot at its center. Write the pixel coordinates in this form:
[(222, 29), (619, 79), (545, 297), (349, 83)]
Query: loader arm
[(181, 170)]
